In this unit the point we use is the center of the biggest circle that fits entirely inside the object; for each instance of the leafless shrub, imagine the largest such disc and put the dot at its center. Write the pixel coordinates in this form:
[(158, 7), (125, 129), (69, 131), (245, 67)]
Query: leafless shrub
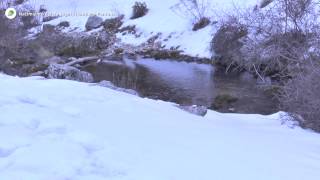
[(279, 37), (301, 98), (283, 42), (202, 23), (195, 10), (139, 10), (113, 24)]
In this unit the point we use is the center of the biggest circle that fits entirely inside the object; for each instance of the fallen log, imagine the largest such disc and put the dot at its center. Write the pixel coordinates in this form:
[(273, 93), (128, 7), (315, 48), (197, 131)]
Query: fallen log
[(75, 61)]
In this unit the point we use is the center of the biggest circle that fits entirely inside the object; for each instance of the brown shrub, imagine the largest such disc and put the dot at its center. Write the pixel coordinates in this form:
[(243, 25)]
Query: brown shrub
[(202, 23), (301, 98), (227, 43), (139, 10), (112, 25)]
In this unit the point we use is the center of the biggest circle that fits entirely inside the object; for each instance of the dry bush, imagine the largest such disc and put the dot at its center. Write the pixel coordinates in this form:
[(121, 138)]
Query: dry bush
[(301, 98), (195, 9), (278, 38), (202, 23), (139, 10), (265, 3), (282, 41), (112, 25)]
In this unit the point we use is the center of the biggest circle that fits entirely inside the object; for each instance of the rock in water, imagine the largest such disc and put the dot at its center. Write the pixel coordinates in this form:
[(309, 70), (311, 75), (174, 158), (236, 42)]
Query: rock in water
[(58, 71), (94, 22)]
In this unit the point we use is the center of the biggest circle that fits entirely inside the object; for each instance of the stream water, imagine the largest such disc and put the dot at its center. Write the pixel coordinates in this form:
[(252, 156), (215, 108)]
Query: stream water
[(184, 83)]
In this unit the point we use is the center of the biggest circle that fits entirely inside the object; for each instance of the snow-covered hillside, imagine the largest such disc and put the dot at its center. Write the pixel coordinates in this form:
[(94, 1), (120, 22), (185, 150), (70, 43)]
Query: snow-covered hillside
[(164, 16), (59, 130)]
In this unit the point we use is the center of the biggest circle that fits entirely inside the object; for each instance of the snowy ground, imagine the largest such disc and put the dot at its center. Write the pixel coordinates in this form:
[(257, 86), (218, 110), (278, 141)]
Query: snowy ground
[(64, 130), (165, 16)]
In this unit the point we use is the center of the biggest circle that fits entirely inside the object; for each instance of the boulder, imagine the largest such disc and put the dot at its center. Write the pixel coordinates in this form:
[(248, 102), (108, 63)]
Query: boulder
[(85, 45), (93, 22), (227, 41), (59, 71), (195, 109), (64, 24)]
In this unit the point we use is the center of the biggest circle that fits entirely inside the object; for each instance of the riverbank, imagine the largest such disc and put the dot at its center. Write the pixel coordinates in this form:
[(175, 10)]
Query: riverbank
[(62, 47)]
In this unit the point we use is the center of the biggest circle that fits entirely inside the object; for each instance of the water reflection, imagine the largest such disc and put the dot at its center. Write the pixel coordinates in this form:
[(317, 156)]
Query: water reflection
[(183, 83)]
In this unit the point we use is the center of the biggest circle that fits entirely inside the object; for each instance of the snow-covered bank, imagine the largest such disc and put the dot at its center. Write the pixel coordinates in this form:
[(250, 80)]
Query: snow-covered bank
[(166, 18), (59, 129)]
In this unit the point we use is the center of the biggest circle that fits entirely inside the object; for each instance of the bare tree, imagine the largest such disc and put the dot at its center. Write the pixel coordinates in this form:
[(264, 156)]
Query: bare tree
[(283, 42), (194, 9), (279, 36)]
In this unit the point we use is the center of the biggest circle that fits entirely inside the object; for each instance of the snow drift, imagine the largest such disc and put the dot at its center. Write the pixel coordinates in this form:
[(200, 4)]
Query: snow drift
[(59, 129)]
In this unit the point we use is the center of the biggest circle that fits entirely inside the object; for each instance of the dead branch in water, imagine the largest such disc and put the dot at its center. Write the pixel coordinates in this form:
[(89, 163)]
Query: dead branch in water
[(75, 61)]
